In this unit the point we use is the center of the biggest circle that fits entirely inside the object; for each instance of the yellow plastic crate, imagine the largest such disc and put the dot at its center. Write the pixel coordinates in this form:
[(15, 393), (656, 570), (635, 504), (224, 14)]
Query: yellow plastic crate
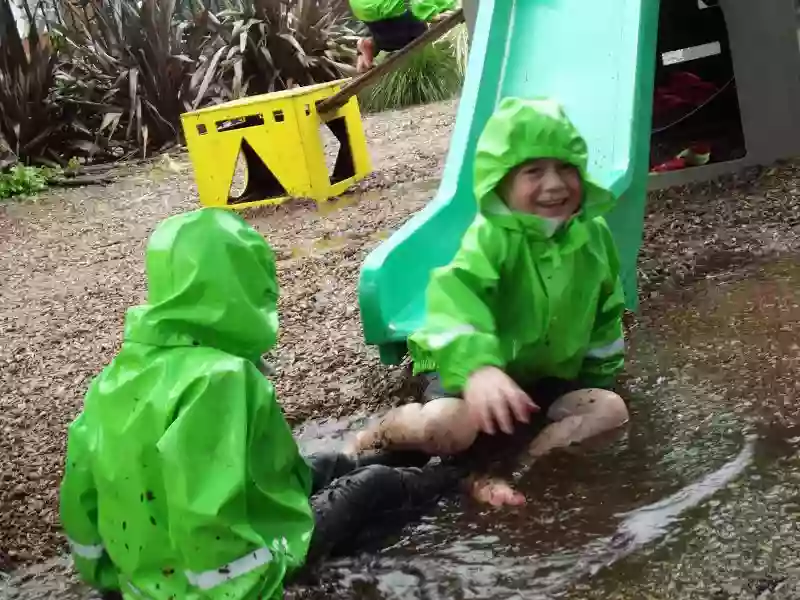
[(280, 137)]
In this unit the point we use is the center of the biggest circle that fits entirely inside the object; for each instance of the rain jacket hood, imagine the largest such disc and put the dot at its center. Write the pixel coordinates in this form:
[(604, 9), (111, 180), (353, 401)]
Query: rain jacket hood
[(379, 10), (519, 295), (210, 282), (182, 478), (523, 130)]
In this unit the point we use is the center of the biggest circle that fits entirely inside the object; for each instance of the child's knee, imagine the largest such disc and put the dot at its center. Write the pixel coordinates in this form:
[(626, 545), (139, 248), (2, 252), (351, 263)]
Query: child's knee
[(597, 403), (448, 426), (402, 426)]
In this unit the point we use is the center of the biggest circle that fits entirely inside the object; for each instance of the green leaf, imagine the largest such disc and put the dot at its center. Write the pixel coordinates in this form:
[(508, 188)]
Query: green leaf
[(207, 79)]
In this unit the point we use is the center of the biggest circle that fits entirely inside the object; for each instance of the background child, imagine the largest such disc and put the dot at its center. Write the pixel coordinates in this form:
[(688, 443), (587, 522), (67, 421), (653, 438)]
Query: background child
[(182, 477), (527, 318), (393, 24)]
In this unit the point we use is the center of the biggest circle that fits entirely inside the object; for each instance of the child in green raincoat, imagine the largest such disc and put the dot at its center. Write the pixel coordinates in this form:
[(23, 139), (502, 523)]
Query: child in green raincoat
[(527, 318), (182, 478), (393, 24)]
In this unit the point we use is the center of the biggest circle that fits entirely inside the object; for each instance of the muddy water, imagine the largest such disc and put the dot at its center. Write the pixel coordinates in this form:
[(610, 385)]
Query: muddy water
[(698, 499)]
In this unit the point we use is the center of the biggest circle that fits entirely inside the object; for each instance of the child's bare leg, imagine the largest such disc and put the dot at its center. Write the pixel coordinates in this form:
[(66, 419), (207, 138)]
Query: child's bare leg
[(441, 427), (366, 54), (578, 416), (441, 16)]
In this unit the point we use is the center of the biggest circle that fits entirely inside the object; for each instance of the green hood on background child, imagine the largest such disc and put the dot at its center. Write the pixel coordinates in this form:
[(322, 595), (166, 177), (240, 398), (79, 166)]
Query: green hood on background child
[(517, 295), (182, 477), (379, 10)]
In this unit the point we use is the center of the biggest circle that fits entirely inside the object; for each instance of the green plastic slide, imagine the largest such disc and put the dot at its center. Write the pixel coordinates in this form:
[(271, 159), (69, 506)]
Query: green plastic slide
[(595, 57)]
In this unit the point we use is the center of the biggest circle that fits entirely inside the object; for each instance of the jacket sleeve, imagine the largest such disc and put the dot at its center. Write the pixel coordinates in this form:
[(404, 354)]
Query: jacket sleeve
[(236, 487), (459, 335), (605, 356), (426, 10), (78, 510)]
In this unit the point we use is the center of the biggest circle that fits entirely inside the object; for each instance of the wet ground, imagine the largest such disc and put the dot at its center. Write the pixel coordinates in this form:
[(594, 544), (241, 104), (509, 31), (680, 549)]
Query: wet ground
[(723, 346), (699, 499)]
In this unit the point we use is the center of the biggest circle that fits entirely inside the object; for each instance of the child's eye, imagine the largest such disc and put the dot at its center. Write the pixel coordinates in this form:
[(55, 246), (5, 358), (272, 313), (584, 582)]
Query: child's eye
[(534, 171)]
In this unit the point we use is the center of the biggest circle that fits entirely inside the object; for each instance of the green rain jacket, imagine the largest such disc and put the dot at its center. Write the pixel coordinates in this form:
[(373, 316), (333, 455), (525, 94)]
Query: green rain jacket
[(378, 10), (517, 296), (182, 477)]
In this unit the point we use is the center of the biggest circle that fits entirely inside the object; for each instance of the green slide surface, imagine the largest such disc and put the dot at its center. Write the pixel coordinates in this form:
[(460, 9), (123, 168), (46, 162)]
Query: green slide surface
[(595, 57)]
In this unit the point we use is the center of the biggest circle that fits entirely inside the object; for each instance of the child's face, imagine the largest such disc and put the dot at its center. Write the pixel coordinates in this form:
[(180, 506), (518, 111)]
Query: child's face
[(546, 187)]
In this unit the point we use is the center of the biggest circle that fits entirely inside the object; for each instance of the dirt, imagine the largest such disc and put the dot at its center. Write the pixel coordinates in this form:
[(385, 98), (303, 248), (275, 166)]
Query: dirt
[(729, 222), (74, 262)]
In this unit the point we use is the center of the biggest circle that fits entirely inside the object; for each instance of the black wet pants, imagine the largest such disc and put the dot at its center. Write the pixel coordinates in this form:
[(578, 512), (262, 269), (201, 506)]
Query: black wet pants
[(354, 502), (396, 33)]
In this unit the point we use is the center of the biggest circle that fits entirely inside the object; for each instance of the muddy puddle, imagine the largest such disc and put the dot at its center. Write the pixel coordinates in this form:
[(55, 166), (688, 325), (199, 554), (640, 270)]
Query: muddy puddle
[(698, 498)]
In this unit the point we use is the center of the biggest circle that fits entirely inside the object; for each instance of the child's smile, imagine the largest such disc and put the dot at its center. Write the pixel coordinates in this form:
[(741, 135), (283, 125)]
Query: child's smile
[(546, 187)]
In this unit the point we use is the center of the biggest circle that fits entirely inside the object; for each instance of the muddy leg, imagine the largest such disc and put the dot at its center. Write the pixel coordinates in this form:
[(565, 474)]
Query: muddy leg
[(366, 54), (578, 416), (441, 427)]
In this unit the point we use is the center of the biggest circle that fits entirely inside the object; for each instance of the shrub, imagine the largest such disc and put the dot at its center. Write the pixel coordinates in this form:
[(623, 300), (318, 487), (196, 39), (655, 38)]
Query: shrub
[(114, 77), (272, 45), (29, 122), (22, 180), (131, 68), (432, 74)]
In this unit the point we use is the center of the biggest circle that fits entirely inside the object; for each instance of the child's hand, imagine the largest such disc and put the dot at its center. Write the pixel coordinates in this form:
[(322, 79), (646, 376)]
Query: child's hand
[(494, 398)]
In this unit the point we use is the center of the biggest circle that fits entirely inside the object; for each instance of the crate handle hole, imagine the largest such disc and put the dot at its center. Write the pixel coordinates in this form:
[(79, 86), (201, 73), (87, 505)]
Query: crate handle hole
[(240, 123)]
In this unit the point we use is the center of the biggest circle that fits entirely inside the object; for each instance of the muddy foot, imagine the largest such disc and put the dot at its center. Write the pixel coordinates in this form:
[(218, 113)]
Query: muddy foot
[(494, 492)]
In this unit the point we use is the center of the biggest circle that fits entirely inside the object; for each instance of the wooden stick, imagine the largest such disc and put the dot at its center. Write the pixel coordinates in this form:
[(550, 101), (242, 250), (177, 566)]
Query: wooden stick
[(355, 85), (80, 181)]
